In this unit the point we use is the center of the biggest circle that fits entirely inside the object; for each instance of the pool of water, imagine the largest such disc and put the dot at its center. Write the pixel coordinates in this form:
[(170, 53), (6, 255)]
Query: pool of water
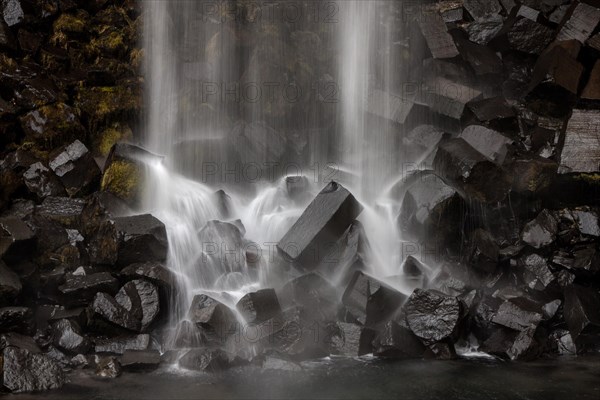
[(473, 379)]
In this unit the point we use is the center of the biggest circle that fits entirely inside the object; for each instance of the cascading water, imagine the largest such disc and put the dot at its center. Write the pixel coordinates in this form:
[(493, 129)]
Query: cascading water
[(197, 60)]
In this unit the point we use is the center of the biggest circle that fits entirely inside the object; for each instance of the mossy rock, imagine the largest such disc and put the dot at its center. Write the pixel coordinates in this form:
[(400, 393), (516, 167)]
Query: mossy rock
[(123, 179), (111, 42), (51, 126), (111, 135), (68, 26), (103, 103)]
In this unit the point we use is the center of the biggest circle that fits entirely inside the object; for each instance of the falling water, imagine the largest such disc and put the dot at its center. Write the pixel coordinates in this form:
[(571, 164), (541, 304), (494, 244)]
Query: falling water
[(195, 60)]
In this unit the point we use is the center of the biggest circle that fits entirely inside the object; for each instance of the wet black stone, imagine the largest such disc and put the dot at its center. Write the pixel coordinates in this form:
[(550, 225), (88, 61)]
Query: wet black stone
[(346, 341), (68, 337), (212, 316), (79, 290), (108, 367), (582, 311), (140, 360), (259, 306), (42, 182), (396, 341), (64, 210), (101, 206), (451, 278), (491, 109), (13, 339), (482, 9), (188, 335), (483, 251), (312, 292), (322, 223), (423, 208), (23, 371), (529, 36), (142, 300), (472, 175), (7, 39), (586, 261), (106, 307), (17, 240), (561, 342), (533, 175), (28, 41), (441, 350), (537, 275), (482, 59), (222, 243), (154, 272), (370, 300), (76, 168), (141, 238), (10, 284), (516, 317), (431, 315), (18, 319), (541, 231), (121, 344), (210, 360), (587, 222)]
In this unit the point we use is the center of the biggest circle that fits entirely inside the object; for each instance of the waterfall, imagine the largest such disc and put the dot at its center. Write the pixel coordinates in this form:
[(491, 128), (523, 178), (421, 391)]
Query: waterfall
[(202, 66)]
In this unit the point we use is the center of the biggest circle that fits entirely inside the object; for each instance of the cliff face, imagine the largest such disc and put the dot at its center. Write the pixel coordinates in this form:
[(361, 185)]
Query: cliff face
[(69, 70)]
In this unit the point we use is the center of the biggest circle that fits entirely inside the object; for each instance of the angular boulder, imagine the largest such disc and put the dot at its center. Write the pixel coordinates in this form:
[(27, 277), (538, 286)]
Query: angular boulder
[(483, 251), (141, 238), (108, 309), (322, 223), (516, 317), (396, 341), (472, 175), (67, 336), (122, 344), (17, 240), (259, 306), (79, 290), (23, 371), (42, 182), (212, 316), (346, 342), (541, 231), (582, 311), (76, 168)]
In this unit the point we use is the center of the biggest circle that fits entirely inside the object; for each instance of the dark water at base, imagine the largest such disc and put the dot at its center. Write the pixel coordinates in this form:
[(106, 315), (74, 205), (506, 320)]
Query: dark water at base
[(349, 379)]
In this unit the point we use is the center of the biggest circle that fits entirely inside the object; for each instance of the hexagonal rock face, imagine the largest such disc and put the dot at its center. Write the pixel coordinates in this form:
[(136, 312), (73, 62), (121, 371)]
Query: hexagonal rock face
[(141, 299), (431, 315), (259, 306)]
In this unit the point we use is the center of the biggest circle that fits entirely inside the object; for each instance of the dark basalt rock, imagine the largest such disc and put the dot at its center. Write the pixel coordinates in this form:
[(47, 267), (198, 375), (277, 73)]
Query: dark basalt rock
[(561, 342), (67, 336), (541, 231), (441, 351), (211, 360), (64, 210), (23, 371), (482, 59), (121, 344), (55, 125), (533, 175), (537, 275), (586, 261), (396, 341), (141, 238), (346, 341), (472, 175), (558, 66), (79, 290), (431, 315), (436, 35), (76, 168), (492, 144), (140, 360), (482, 9), (451, 279), (322, 223), (18, 319), (101, 206), (7, 39), (42, 182), (414, 268), (483, 251), (516, 317), (491, 109), (106, 307), (154, 272), (529, 36), (12, 12), (141, 299), (371, 301), (108, 367), (587, 220), (481, 32), (312, 292), (222, 243), (425, 208), (16, 239), (188, 335), (13, 339), (10, 284), (259, 306), (582, 312), (511, 344), (212, 316)]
